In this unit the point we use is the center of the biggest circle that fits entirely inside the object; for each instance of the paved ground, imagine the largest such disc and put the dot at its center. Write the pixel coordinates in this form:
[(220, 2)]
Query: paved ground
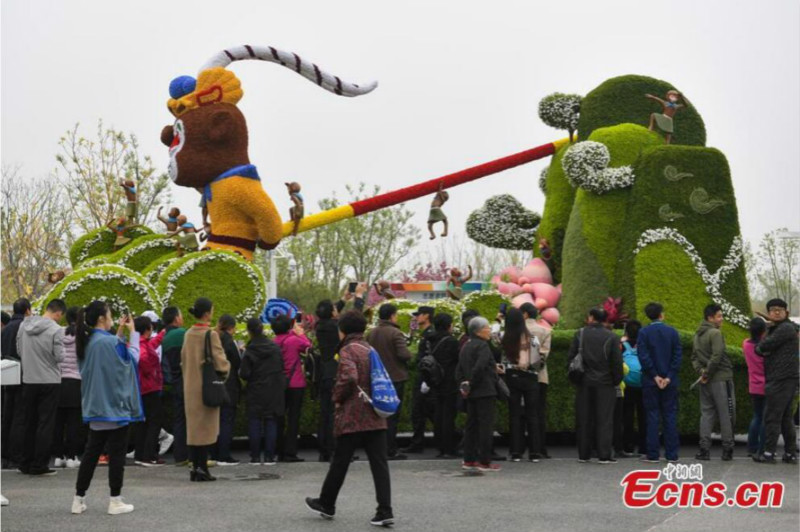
[(553, 495)]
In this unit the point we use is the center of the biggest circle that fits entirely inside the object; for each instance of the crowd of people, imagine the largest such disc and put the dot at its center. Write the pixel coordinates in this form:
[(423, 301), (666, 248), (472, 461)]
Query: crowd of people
[(90, 396)]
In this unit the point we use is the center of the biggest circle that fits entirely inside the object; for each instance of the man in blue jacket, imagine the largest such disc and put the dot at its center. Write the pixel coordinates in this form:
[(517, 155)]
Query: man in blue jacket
[(659, 350)]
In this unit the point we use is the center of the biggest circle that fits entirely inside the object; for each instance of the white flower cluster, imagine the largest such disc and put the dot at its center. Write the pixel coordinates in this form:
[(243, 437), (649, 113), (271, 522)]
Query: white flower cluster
[(156, 272), (561, 111), (124, 276), (586, 166), (713, 281), (543, 180), (503, 222), (147, 244), (88, 243), (259, 294)]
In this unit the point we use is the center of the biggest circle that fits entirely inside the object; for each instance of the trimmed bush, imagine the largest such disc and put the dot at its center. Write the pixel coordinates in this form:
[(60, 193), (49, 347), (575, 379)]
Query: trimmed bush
[(622, 100), (235, 285), (142, 251), (487, 303), (121, 287), (668, 176), (557, 209), (99, 242), (97, 260), (154, 270), (503, 222)]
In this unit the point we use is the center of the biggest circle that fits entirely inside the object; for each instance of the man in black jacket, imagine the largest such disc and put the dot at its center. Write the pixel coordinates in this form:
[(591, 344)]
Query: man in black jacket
[(13, 425), (779, 349), (596, 396), (445, 349), (423, 405)]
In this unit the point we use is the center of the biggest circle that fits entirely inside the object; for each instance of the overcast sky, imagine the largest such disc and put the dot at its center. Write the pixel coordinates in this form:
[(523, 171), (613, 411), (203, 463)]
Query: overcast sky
[(459, 85)]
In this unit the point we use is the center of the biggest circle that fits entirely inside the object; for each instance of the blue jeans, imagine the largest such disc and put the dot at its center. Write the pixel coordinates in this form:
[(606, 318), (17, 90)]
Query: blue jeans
[(661, 406), (755, 434), (227, 418), (262, 431)]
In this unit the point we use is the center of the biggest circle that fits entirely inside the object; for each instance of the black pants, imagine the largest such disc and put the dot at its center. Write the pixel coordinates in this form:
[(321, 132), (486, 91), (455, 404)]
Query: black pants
[(541, 411), (444, 428), (198, 455), (325, 431), (594, 409), (117, 442), (479, 430), (523, 415), (69, 435), (619, 426), (374, 443), (393, 420), (287, 435), (147, 431), (778, 398), (227, 419), (633, 407), (13, 424), (41, 404), (179, 449), (423, 408)]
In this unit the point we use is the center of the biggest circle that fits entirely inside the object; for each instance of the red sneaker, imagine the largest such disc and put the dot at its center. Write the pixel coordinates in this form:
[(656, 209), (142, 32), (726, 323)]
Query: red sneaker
[(488, 467), (103, 459), (469, 466)]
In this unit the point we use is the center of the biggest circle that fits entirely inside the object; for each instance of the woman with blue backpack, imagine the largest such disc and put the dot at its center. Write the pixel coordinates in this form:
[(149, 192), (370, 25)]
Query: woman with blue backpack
[(633, 406)]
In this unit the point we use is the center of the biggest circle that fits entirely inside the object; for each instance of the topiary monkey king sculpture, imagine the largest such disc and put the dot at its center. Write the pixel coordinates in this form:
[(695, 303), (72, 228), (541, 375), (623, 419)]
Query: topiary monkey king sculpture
[(208, 146)]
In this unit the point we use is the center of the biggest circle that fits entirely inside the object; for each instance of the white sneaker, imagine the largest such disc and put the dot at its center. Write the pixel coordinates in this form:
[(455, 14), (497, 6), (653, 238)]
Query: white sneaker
[(165, 443), (73, 463), (60, 462), (117, 506), (3, 501), (131, 454), (79, 504)]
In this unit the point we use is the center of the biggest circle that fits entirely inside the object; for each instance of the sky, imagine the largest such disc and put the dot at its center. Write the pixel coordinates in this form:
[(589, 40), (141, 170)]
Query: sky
[(459, 84)]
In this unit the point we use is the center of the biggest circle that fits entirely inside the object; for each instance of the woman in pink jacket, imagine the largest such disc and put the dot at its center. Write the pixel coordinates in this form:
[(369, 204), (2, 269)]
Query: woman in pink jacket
[(150, 383), (293, 342), (755, 371)]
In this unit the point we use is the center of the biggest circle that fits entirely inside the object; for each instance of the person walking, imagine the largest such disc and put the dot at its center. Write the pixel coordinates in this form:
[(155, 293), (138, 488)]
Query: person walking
[(634, 440), (68, 436), (755, 385), (390, 343), (110, 398), (717, 399), (40, 343), (477, 376), (356, 424), (779, 349), (151, 382), (544, 335), (660, 352), (445, 351), (202, 422), (226, 326), (13, 419), (596, 395), (171, 346), (262, 370), (293, 342), (521, 359)]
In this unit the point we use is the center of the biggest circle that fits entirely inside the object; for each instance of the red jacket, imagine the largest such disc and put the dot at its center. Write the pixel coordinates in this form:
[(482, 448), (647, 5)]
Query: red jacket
[(352, 413), (150, 377)]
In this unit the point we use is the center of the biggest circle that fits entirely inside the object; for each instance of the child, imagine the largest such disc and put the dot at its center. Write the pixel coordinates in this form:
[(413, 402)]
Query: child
[(130, 195), (187, 241), (172, 218), (120, 228)]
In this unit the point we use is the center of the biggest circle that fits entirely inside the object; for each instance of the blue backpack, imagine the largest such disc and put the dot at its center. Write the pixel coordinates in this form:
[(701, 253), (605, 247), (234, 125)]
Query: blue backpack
[(383, 397), (631, 358)]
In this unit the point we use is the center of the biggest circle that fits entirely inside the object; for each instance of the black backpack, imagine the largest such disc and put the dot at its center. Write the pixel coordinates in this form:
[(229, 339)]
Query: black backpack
[(430, 370)]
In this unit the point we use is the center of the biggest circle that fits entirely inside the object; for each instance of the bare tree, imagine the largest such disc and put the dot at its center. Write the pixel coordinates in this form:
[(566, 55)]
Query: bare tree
[(33, 231), (90, 171), (777, 267)]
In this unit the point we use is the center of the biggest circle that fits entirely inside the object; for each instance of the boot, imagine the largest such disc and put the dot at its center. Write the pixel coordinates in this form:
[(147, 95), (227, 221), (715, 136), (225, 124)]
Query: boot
[(703, 454), (727, 455)]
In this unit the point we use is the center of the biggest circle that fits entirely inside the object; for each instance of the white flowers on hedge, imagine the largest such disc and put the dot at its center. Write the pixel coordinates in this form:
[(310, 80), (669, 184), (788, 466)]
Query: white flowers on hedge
[(109, 273), (259, 295), (503, 222), (144, 246), (88, 244), (713, 281), (543, 180), (586, 166), (561, 111)]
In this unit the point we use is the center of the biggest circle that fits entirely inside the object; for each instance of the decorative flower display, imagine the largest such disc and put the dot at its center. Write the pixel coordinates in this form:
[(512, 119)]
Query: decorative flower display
[(586, 166), (561, 111), (503, 222)]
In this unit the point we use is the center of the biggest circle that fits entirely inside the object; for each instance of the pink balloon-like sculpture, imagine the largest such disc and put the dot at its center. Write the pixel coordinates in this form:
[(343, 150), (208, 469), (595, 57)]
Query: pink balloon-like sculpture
[(531, 284)]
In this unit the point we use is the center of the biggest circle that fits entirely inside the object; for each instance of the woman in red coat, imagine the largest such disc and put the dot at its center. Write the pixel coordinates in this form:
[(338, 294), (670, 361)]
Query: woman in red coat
[(355, 424)]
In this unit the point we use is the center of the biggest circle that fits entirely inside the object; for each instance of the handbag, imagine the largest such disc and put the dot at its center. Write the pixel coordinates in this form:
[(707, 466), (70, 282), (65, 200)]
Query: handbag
[(575, 369), (215, 394)]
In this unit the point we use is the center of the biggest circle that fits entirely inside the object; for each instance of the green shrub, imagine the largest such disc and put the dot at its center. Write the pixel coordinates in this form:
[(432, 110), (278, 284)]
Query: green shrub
[(154, 270), (99, 242), (557, 208), (621, 100), (142, 251), (235, 285), (487, 303), (97, 260), (121, 287)]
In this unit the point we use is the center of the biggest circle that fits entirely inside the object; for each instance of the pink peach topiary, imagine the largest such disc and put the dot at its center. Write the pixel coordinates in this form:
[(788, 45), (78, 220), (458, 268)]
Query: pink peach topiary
[(547, 292), (521, 299), (551, 315)]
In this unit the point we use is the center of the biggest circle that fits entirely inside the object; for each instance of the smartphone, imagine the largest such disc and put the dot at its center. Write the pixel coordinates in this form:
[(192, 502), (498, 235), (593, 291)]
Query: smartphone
[(298, 318), (352, 287)]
